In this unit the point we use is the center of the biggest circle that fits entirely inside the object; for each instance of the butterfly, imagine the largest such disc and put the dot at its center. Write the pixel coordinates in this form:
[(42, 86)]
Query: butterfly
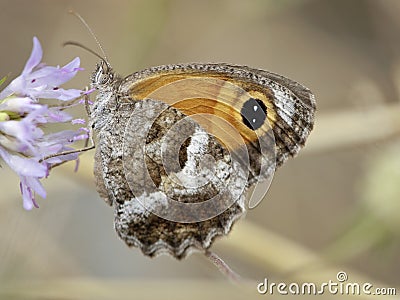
[(179, 147)]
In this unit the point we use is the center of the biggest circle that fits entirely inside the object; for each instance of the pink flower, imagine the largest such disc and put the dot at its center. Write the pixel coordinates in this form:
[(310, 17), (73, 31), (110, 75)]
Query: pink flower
[(40, 81), (23, 144)]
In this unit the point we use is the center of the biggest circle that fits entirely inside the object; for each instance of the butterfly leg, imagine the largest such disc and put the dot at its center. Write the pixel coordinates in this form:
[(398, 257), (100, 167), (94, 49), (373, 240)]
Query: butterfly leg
[(71, 103), (86, 145), (84, 149)]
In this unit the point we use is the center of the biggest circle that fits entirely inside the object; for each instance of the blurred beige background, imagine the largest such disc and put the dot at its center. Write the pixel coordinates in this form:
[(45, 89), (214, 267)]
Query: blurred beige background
[(335, 207)]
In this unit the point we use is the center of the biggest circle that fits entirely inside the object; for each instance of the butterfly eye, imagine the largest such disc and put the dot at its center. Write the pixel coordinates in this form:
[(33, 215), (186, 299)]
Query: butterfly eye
[(102, 75), (254, 113)]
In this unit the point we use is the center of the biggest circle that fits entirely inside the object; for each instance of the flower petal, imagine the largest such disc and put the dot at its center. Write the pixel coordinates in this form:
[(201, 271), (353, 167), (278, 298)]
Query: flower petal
[(27, 196), (57, 143), (35, 58), (55, 76), (21, 132), (55, 115), (19, 105), (24, 166), (60, 94), (17, 84), (28, 186), (78, 121), (35, 184)]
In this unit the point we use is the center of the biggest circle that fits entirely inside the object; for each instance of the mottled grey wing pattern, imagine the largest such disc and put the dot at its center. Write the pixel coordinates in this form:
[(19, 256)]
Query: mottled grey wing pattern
[(127, 190)]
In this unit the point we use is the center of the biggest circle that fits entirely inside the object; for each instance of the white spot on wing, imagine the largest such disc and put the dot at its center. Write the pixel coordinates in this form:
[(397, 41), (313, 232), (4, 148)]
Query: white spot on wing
[(189, 175), (286, 104), (143, 204)]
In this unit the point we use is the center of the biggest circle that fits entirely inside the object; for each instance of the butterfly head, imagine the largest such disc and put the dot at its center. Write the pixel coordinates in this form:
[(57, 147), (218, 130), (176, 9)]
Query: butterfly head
[(104, 76)]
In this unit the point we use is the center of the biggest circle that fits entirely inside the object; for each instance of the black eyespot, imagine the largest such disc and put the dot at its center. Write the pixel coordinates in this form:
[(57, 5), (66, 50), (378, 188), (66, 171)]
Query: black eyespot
[(254, 113)]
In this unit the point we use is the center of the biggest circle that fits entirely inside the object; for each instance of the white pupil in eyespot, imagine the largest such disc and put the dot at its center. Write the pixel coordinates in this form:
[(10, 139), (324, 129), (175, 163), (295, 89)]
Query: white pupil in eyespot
[(254, 113)]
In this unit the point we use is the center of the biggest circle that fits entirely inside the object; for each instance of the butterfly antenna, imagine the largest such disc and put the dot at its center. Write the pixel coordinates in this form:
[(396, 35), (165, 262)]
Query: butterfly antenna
[(104, 58), (72, 43)]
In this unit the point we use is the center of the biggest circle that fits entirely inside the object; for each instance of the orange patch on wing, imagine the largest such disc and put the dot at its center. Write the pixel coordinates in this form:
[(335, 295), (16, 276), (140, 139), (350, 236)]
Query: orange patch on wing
[(211, 99)]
